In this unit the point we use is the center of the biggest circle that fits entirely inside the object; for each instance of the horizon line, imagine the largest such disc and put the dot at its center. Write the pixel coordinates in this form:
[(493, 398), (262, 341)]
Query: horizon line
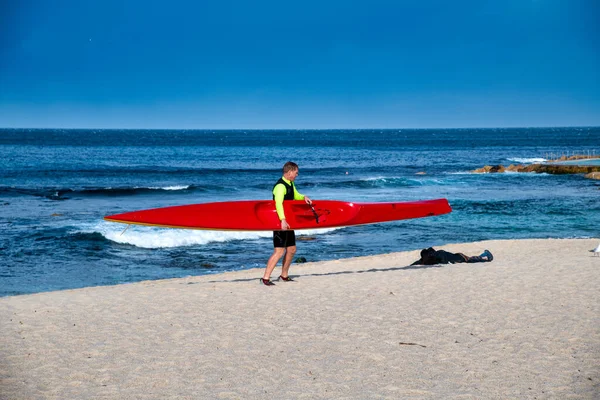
[(301, 129)]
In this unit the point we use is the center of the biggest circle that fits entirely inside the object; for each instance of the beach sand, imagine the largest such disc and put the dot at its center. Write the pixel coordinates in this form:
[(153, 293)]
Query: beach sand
[(526, 325)]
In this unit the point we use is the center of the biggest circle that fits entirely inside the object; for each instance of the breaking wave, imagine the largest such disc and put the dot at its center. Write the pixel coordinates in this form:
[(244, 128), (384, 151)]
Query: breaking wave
[(155, 237)]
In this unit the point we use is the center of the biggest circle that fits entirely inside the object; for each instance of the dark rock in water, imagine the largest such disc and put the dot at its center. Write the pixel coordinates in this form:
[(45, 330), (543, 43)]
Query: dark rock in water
[(300, 260), (565, 169), (593, 175), (305, 238), (208, 265), (490, 169)]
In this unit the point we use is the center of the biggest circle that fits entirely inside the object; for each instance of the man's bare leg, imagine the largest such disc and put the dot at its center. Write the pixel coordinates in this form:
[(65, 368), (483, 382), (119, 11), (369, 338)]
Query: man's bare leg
[(287, 261), (273, 260)]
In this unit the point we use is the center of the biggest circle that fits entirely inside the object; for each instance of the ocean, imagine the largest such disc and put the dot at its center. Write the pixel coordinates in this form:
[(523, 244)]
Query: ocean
[(57, 185)]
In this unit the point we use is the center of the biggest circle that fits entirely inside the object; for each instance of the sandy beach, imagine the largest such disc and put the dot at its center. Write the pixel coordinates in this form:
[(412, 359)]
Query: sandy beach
[(526, 325)]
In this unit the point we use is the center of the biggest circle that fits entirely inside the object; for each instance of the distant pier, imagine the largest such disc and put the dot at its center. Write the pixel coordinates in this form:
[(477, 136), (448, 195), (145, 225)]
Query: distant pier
[(571, 156)]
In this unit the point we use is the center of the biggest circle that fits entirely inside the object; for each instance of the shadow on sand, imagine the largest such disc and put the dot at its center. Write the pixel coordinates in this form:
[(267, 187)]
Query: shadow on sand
[(371, 270)]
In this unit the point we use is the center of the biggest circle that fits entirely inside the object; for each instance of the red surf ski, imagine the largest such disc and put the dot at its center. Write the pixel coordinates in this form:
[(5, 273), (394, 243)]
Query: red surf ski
[(260, 215)]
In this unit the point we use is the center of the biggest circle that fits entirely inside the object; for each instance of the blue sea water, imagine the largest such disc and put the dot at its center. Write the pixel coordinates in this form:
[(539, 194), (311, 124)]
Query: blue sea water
[(56, 185)]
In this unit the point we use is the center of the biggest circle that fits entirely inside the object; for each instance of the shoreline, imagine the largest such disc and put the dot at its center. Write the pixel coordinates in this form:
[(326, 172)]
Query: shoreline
[(295, 265), (524, 325)]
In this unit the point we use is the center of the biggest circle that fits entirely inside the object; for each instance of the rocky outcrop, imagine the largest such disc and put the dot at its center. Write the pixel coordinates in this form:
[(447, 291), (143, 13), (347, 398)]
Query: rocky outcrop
[(490, 169), (591, 171)]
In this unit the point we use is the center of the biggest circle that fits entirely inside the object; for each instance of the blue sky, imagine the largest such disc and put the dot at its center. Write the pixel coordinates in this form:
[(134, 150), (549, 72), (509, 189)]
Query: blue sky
[(309, 64)]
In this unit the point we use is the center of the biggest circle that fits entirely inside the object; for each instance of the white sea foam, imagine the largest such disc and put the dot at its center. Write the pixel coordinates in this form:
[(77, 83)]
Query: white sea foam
[(154, 237), (176, 187), (376, 178), (385, 180), (527, 160)]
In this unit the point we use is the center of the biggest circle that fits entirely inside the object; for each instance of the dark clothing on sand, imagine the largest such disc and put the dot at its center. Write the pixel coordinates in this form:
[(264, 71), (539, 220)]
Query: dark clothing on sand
[(433, 257)]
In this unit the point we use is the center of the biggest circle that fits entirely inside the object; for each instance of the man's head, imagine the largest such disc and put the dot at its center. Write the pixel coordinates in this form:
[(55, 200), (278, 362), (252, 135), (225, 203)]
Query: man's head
[(290, 171), (428, 256)]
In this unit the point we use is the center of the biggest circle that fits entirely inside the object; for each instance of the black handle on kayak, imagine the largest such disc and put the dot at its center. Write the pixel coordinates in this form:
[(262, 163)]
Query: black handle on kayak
[(314, 213)]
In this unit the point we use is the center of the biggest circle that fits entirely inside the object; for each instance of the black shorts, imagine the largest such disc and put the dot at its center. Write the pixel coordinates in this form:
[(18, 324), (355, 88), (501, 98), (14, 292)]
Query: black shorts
[(284, 238)]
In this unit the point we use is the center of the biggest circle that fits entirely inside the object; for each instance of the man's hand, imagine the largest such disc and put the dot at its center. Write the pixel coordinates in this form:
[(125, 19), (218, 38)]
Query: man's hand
[(284, 225), (308, 200)]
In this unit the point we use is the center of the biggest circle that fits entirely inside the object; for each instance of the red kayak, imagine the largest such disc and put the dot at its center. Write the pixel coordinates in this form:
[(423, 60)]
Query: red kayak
[(260, 215)]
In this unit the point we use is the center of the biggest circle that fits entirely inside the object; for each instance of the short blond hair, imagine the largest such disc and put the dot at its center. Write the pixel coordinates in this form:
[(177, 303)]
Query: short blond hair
[(289, 166)]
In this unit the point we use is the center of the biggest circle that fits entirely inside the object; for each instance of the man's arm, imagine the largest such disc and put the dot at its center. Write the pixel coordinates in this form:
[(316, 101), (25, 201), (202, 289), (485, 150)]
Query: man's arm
[(279, 193), (300, 196)]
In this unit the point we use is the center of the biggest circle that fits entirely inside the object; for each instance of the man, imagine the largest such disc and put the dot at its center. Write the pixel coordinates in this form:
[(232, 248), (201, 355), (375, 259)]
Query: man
[(284, 241)]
